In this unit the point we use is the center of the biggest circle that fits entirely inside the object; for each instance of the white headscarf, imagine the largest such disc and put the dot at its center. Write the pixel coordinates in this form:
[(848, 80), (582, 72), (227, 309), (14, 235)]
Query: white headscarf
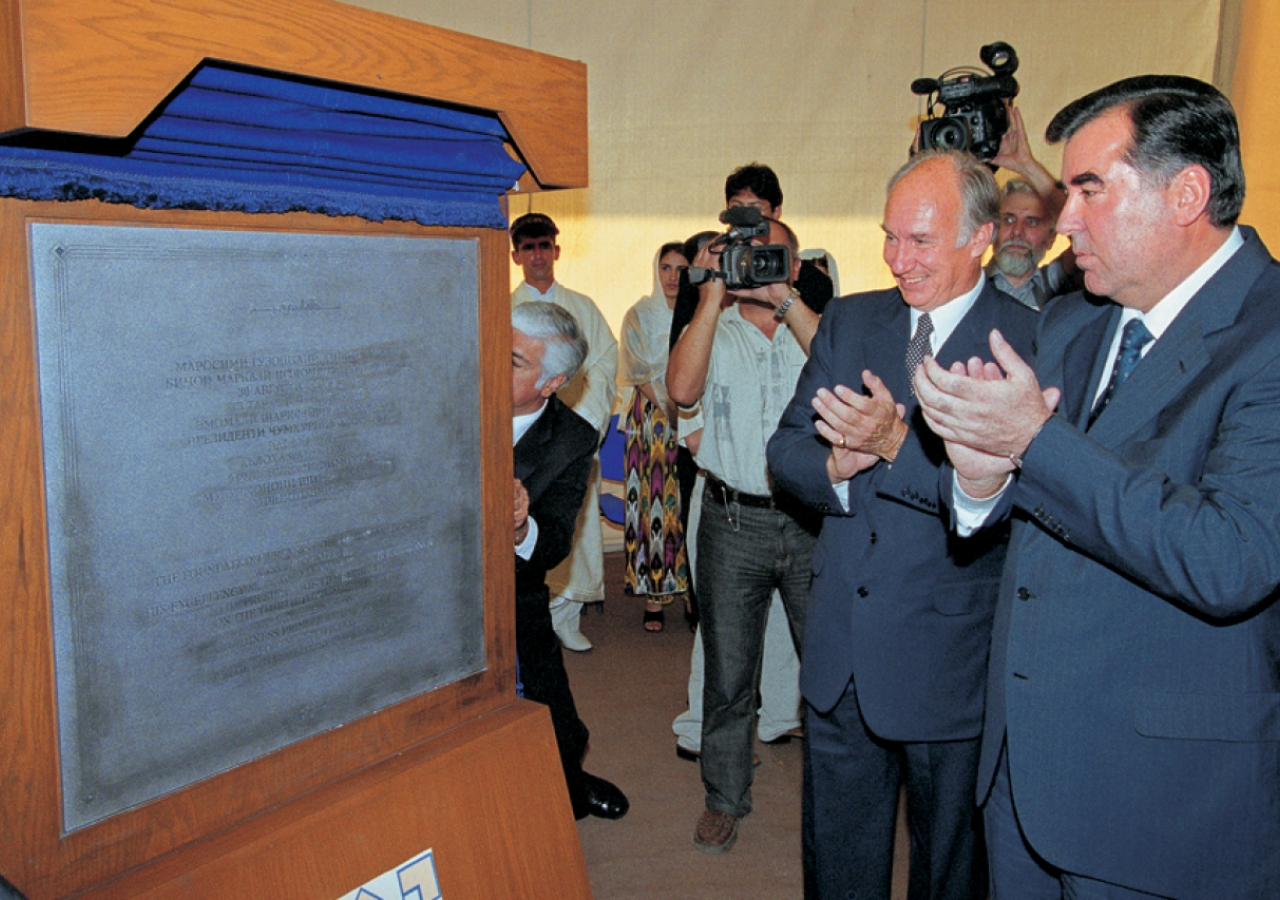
[(646, 331)]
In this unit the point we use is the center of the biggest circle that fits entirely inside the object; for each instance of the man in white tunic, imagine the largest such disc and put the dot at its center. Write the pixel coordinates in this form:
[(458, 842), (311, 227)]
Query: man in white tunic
[(591, 393)]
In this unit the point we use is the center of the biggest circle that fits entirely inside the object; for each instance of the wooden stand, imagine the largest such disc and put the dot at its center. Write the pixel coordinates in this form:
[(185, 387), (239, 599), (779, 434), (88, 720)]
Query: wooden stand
[(467, 770)]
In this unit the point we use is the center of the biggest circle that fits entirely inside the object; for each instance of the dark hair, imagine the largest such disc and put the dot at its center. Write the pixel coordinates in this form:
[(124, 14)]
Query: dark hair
[(758, 179), (532, 225), (673, 247), (695, 243), (1177, 122)]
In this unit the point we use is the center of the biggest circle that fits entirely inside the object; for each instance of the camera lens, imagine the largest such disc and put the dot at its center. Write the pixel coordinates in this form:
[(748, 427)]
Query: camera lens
[(768, 265), (950, 135)]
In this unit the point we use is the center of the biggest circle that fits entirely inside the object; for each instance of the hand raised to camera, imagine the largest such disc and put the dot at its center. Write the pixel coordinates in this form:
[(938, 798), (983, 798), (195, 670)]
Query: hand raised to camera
[(712, 291)]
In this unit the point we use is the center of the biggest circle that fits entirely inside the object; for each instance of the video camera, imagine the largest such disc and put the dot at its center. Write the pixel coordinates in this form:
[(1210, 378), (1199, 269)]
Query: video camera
[(976, 117), (743, 266)]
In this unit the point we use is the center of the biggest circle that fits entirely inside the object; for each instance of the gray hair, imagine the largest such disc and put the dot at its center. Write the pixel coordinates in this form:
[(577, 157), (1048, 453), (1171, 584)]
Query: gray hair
[(563, 347), (1017, 186), (979, 195)]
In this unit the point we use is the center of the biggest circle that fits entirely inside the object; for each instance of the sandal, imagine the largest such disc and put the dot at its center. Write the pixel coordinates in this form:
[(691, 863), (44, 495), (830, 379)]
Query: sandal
[(653, 621)]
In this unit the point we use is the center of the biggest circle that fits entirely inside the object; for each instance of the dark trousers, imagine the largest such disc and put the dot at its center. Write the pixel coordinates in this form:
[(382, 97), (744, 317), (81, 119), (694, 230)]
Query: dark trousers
[(744, 554), (850, 798), (545, 681)]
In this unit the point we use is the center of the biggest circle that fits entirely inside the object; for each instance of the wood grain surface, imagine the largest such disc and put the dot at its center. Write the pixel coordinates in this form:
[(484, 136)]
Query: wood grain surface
[(100, 67)]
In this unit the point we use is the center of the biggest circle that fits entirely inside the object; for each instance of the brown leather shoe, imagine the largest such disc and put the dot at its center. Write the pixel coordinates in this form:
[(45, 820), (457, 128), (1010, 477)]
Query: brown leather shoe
[(716, 831)]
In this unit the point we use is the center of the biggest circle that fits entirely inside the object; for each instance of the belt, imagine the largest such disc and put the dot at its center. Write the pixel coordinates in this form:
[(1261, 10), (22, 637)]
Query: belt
[(722, 491)]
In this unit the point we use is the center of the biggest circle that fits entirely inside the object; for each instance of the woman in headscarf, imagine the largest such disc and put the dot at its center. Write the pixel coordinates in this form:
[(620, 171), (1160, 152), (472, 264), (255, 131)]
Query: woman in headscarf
[(657, 568)]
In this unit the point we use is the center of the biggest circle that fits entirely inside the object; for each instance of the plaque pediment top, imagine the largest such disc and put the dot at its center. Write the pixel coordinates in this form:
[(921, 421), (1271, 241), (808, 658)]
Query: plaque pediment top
[(100, 67)]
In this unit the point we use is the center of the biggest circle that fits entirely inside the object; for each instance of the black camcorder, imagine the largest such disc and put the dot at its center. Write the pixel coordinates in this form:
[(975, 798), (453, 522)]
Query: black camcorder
[(742, 265), (976, 118)]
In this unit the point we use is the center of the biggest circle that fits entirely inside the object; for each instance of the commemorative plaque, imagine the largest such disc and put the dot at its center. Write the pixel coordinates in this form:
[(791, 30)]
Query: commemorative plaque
[(261, 487)]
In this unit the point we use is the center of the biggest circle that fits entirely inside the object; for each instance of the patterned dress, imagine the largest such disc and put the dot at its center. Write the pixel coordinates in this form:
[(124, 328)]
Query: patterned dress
[(657, 567)]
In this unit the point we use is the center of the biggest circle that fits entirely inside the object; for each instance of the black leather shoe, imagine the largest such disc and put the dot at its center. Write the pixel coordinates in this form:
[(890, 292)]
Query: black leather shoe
[(599, 798)]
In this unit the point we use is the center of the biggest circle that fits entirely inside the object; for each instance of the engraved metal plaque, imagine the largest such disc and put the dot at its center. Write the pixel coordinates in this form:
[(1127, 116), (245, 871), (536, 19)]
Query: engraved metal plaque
[(262, 475)]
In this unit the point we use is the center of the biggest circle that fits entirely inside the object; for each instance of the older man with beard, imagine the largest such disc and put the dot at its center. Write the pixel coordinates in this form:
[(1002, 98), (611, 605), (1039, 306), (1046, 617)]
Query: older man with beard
[(1029, 207)]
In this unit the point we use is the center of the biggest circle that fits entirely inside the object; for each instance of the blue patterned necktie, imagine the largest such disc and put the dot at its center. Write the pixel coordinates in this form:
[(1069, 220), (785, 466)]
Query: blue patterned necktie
[(1134, 337)]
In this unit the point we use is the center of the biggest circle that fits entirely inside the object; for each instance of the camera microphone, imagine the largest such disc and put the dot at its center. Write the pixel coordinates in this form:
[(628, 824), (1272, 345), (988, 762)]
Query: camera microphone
[(740, 216), (924, 86)]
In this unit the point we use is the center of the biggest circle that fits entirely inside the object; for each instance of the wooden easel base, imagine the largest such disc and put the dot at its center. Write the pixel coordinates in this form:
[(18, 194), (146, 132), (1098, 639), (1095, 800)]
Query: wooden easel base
[(488, 798)]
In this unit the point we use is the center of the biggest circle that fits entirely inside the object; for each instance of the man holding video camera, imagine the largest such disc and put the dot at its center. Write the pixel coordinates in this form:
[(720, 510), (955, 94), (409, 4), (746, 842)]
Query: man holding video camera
[(740, 356)]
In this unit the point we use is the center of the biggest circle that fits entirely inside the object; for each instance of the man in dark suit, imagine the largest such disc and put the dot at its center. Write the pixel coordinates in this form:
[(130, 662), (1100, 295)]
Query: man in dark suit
[(1132, 744), (554, 447), (899, 621)]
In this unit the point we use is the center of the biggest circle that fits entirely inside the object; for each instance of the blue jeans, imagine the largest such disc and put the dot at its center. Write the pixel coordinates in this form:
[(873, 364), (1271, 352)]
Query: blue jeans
[(744, 554)]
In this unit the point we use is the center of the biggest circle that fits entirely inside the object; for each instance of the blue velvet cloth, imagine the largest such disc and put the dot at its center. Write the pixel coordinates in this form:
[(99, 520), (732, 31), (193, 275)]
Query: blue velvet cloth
[(232, 139)]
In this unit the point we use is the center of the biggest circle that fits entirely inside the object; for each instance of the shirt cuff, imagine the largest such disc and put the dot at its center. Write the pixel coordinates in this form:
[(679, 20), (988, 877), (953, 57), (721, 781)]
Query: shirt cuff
[(972, 514), (842, 494), (524, 549)]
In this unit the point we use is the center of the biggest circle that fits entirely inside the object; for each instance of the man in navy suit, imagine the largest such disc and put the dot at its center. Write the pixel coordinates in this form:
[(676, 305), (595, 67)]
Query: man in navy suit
[(1132, 744), (554, 447), (899, 621)]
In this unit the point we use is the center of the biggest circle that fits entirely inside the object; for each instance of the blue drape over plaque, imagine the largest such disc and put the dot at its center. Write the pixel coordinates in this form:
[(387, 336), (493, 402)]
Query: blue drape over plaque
[(232, 139)]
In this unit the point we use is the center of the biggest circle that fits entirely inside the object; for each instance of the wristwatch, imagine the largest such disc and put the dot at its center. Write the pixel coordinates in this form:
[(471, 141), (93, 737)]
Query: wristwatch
[(785, 305)]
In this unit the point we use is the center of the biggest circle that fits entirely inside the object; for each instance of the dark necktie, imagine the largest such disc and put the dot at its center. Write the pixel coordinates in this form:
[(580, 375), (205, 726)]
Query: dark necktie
[(919, 347), (1134, 337)]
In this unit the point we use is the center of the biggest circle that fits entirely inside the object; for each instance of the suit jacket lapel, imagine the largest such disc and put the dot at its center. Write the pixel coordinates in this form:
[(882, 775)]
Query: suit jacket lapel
[(885, 342), (1171, 364), (1182, 352), (1083, 362), (970, 339), (530, 449)]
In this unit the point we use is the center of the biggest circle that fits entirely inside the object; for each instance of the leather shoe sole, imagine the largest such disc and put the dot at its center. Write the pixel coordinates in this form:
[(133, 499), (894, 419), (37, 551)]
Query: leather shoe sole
[(599, 798)]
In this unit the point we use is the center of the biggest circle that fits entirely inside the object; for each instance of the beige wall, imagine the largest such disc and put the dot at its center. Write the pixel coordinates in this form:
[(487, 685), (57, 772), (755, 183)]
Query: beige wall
[(681, 93), (1255, 91)]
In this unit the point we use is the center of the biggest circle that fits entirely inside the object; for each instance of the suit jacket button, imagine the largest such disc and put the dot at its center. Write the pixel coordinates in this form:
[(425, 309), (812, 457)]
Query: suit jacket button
[(862, 592), (874, 537), (1024, 594)]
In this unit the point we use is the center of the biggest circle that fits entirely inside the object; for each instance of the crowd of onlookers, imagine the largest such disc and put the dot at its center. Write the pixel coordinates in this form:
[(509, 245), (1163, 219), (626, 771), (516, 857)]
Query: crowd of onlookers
[(1032, 591)]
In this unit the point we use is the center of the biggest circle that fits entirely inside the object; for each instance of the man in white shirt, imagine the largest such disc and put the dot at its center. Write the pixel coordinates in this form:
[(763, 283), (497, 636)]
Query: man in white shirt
[(590, 394), (740, 357)]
